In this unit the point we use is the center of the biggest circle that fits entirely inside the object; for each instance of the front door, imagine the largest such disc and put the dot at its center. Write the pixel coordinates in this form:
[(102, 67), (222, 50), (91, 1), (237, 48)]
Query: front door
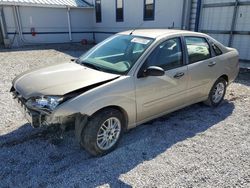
[(156, 95)]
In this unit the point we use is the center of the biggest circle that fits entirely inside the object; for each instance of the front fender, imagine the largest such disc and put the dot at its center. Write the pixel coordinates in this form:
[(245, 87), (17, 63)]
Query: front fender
[(120, 93)]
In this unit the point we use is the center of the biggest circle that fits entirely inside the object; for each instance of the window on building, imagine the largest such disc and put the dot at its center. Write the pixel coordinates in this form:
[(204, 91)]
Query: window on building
[(149, 9), (98, 11), (198, 49), (119, 10)]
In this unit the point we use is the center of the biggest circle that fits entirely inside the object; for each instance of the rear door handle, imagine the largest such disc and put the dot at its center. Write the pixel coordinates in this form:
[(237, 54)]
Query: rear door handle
[(179, 75), (212, 64)]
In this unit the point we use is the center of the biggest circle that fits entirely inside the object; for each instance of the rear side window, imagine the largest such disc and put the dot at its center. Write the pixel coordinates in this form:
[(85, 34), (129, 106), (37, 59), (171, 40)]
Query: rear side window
[(198, 49), (216, 49)]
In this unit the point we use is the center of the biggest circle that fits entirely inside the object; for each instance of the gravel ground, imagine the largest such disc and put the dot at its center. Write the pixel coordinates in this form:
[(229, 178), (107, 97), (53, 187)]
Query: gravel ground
[(193, 147)]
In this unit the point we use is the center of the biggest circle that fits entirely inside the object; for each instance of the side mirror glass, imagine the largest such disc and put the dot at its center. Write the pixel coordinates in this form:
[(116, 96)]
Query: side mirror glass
[(153, 71)]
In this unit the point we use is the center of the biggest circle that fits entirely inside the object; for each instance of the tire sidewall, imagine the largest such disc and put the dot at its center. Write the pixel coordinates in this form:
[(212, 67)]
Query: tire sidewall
[(89, 134), (212, 103)]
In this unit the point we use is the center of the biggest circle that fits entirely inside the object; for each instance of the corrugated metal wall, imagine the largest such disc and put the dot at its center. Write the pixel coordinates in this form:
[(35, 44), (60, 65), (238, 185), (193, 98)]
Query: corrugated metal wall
[(228, 22), (1, 20), (1, 36)]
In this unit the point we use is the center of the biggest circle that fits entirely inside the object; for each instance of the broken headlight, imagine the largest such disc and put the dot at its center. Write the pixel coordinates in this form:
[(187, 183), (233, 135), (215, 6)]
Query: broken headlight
[(44, 102)]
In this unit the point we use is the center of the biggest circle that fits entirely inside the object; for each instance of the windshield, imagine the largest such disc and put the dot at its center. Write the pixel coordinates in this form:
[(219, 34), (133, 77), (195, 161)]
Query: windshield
[(116, 54)]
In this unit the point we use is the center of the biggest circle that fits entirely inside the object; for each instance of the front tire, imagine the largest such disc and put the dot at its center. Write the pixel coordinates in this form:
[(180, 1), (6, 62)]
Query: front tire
[(103, 132), (217, 93)]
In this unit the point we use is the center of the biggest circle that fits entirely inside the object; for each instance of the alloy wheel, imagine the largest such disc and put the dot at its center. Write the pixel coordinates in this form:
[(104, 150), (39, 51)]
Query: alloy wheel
[(108, 133)]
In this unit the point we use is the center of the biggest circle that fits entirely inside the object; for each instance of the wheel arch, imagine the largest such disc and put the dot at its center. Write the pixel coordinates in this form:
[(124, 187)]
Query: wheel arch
[(120, 109), (225, 77)]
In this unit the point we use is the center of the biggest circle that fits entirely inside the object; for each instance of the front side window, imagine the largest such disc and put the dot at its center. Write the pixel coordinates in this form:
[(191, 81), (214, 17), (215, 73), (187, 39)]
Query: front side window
[(119, 10), (116, 54), (168, 55), (149, 9), (198, 49), (98, 11)]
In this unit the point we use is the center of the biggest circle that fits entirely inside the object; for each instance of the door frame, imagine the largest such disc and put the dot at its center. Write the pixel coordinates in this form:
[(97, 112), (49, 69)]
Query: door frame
[(142, 62), (154, 45)]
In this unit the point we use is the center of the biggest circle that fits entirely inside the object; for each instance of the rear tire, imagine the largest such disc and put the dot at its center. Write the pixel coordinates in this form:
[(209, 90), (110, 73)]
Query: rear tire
[(217, 93), (103, 132)]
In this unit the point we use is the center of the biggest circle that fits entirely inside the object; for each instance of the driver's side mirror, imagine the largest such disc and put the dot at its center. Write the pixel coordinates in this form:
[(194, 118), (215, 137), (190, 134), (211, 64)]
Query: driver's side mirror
[(153, 71)]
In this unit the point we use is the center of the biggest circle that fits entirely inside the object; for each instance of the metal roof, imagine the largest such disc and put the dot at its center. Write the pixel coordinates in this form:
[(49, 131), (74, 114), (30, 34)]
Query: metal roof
[(49, 3)]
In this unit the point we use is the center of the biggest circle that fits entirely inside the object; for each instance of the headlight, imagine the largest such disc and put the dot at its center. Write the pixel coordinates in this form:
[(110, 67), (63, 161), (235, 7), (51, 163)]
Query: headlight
[(44, 102)]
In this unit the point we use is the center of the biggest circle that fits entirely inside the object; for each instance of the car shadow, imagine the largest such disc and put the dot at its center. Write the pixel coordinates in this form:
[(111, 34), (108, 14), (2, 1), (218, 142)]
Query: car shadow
[(31, 156)]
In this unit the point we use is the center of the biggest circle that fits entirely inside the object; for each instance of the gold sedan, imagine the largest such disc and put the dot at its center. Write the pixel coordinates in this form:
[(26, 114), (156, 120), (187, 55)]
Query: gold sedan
[(126, 80)]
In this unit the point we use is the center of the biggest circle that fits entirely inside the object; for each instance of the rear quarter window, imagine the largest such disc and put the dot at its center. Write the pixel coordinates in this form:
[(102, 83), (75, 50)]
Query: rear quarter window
[(217, 50)]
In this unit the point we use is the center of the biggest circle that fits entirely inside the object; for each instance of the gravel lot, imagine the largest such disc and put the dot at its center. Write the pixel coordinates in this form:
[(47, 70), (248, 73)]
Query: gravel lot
[(193, 147)]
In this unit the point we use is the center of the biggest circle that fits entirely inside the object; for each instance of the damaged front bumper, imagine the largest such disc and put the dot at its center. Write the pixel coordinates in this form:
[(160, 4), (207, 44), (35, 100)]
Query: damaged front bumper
[(35, 118), (38, 118)]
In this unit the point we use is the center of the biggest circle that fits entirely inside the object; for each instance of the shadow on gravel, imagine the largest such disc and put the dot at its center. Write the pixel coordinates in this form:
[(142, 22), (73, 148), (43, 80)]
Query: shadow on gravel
[(34, 161)]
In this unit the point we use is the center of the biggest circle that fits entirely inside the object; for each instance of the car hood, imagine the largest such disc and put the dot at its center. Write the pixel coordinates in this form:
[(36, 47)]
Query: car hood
[(58, 80)]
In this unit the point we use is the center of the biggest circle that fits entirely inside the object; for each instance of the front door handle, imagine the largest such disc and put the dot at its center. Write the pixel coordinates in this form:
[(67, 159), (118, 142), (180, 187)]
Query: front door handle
[(212, 64), (179, 75)]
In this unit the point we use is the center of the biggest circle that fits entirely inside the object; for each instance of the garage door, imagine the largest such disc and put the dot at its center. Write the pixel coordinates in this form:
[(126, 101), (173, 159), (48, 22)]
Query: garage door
[(228, 22)]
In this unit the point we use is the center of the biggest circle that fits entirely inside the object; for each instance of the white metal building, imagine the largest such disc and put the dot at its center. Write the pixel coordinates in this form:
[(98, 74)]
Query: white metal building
[(228, 21), (45, 21), (49, 21), (53, 21), (119, 15)]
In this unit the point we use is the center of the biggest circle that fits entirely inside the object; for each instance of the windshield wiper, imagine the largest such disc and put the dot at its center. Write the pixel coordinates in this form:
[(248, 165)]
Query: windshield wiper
[(92, 66), (86, 64), (75, 60)]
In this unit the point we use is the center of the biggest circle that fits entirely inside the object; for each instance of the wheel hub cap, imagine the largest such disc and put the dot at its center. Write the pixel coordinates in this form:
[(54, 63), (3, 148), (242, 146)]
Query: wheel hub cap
[(108, 133), (218, 92)]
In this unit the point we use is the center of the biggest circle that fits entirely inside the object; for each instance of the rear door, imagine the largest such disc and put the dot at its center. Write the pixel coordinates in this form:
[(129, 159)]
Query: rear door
[(157, 94), (202, 67)]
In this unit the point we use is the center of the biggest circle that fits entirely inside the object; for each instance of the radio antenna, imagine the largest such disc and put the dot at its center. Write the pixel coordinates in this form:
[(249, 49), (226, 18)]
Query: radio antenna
[(137, 27)]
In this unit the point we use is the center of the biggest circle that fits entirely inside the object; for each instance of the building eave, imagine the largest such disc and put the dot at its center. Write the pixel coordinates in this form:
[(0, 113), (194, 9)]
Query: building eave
[(43, 5)]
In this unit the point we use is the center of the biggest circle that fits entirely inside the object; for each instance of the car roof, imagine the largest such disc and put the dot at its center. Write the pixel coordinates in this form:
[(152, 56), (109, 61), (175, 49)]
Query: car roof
[(155, 33)]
